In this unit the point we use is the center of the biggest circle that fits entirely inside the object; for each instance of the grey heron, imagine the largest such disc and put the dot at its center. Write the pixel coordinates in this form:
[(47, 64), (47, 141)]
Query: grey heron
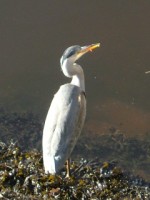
[(67, 112)]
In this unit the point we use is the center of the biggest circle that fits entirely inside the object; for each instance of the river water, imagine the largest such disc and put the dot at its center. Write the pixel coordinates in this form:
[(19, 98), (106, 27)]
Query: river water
[(33, 36)]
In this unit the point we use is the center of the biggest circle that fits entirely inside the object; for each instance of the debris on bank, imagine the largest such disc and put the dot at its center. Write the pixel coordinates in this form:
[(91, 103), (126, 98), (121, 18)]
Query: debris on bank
[(22, 177)]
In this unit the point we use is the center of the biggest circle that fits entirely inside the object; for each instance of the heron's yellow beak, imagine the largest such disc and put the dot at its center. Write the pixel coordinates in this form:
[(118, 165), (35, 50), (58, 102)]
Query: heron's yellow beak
[(88, 48), (92, 47)]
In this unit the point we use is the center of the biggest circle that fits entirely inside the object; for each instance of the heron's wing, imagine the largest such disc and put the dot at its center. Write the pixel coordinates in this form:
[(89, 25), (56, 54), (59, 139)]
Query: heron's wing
[(64, 122)]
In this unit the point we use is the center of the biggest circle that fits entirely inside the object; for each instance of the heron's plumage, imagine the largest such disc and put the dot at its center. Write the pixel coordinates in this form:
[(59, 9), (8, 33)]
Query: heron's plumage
[(67, 112), (63, 126)]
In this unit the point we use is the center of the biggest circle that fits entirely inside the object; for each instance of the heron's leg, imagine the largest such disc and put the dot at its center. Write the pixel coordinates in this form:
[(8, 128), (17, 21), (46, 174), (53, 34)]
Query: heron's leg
[(68, 168)]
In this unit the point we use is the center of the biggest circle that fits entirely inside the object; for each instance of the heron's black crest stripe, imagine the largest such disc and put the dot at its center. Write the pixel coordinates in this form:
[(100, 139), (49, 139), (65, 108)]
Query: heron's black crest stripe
[(71, 51)]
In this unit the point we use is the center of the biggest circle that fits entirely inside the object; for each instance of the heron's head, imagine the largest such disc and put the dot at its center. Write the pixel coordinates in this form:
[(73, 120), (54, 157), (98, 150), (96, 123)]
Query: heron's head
[(73, 53)]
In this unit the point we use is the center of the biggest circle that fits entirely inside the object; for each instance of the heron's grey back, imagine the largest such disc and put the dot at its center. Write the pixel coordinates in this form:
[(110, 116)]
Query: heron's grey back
[(64, 123)]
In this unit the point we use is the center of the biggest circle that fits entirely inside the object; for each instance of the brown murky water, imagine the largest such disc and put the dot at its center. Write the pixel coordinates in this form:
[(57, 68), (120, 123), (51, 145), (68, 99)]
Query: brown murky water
[(33, 36)]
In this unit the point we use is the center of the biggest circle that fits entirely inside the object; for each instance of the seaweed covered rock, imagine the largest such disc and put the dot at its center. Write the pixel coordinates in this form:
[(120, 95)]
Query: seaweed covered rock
[(132, 153), (22, 177)]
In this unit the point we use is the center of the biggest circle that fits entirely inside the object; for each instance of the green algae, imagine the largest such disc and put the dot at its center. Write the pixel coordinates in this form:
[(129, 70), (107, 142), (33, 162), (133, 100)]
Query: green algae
[(22, 177)]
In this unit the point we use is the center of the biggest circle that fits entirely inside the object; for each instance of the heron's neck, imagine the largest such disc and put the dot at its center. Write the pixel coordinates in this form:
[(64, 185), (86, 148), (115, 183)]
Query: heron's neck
[(78, 80), (74, 71)]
